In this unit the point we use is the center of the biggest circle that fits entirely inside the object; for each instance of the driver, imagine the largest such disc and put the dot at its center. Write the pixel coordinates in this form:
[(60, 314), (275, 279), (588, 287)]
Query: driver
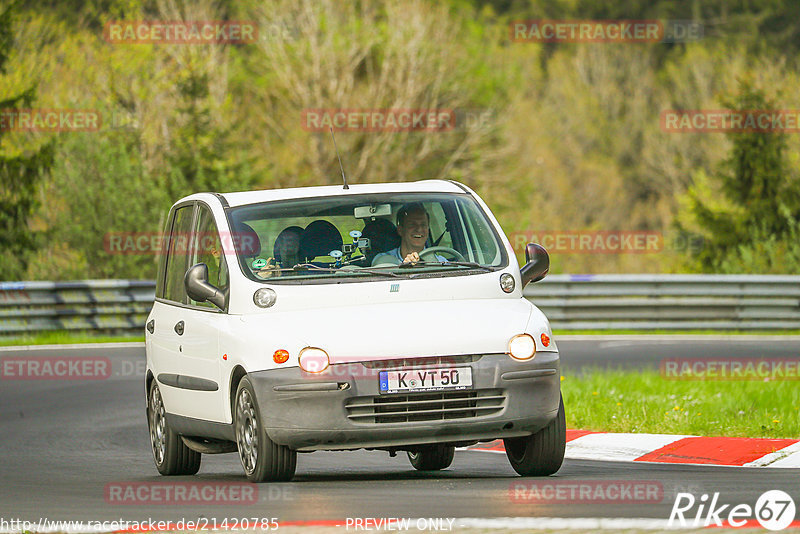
[(412, 226)]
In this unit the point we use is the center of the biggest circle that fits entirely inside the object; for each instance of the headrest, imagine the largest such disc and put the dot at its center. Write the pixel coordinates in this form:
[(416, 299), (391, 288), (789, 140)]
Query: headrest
[(319, 239), (246, 241), (382, 235), (286, 235)]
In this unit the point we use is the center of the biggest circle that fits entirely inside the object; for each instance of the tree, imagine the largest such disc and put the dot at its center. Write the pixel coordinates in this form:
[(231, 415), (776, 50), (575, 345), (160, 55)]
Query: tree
[(760, 199), (21, 172)]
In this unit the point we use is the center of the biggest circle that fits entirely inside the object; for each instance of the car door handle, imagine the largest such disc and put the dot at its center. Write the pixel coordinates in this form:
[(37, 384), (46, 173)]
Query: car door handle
[(179, 328), (151, 325)]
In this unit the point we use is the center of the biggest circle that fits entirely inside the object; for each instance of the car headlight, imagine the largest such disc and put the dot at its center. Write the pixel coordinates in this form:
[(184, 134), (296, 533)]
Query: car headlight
[(313, 360), (265, 297), (522, 347)]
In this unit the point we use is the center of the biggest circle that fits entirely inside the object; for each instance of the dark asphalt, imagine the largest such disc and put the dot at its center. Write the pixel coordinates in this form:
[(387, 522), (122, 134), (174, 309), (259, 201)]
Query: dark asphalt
[(66, 443)]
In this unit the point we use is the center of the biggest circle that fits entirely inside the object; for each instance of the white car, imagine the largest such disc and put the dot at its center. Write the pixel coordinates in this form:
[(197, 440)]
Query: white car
[(297, 320)]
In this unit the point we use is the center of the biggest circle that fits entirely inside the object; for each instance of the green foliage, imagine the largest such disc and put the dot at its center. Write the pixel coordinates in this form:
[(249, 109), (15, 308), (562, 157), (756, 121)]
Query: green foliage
[(647, 402), (573, 141), (101, 196), (749, 224), (21, 172), (203, 154)]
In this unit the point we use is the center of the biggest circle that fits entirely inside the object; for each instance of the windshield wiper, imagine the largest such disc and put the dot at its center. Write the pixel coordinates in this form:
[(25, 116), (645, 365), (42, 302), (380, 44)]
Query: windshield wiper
[(470, 264), (311, 267)]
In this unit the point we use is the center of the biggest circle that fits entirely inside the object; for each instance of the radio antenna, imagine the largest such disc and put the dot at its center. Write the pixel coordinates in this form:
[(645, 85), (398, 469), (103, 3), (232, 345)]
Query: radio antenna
[(344, 178)]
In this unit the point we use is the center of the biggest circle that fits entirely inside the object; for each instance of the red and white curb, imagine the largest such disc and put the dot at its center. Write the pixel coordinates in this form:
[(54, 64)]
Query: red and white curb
[(672, 449)]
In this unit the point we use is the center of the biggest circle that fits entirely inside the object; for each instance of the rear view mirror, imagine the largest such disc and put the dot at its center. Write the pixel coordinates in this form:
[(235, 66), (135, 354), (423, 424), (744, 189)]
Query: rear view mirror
[(373, 210), (537, 264), (197, 287)]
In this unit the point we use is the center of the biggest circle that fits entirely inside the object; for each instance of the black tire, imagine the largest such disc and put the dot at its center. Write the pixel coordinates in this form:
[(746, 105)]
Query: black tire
[(542, 453), (432, 457), (263, 460), (170, 454)]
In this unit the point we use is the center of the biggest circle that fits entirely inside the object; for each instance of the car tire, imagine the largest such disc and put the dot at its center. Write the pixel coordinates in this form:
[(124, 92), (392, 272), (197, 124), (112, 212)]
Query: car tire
[(542, 453), (432, 457), (170, 454), (263, 460)]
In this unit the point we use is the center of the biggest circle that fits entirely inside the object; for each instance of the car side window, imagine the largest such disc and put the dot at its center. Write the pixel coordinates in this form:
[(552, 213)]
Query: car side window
[(208, 249), (177, 255)]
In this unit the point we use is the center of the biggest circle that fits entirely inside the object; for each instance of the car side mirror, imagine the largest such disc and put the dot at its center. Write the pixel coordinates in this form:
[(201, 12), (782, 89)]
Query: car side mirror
[(537, 264), (197, 287)]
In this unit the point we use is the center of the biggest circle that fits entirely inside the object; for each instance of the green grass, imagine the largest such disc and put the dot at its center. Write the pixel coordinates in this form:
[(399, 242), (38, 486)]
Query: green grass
[(643, 402), (561, 332), (65, 337)]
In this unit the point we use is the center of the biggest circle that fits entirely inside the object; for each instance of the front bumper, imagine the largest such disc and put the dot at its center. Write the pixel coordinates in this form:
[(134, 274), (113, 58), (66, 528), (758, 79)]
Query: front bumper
[(342, 407)]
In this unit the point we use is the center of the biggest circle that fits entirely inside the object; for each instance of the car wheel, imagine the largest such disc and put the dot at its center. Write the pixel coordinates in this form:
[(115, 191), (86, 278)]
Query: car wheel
[(263, 460), (171, 455), (432, 457), (542, 453)]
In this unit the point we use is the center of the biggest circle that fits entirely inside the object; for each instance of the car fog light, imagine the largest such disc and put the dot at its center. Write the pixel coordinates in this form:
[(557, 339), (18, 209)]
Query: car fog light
[(265, 297), (507, 282), (280, 356), (313, 360), (522, 347)]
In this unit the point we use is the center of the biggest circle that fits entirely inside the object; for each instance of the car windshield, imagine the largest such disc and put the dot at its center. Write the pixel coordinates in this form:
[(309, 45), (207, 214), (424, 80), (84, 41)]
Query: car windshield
[(364, 236)]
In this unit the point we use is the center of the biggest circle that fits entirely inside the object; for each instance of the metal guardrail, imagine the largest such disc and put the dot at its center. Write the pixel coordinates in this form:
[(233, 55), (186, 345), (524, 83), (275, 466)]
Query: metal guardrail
[(107, 305), (669, 302), (571, 302)]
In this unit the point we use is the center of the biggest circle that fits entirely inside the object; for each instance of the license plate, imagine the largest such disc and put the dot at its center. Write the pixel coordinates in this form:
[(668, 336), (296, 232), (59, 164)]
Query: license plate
[(425, 379)]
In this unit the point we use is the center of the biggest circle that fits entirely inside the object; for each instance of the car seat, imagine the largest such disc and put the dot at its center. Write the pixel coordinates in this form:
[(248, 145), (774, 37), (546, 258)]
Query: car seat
[(280, 242), (382, 235), (246, 241), (319, 239)]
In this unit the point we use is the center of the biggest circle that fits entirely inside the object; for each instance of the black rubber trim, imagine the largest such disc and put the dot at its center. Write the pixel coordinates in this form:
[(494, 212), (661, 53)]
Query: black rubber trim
[(319, 386), (222, 200), (187, 382), (532, 373), (189, 426), (460, 185)]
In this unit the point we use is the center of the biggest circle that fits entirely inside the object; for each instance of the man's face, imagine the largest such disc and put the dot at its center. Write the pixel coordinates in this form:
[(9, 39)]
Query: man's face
[(414, 231)]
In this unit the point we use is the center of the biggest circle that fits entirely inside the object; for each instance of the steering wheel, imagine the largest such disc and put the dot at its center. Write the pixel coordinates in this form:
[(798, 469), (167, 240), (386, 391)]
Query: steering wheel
[(448, 250)]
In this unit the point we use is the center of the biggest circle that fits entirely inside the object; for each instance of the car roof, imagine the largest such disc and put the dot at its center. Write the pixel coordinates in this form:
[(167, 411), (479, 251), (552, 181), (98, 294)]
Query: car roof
[(265, 195)]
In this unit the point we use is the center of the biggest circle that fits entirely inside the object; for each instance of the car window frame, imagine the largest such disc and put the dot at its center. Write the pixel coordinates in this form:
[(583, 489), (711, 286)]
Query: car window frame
[(504, 263), (195, 210), (168, 244), (223, 262)]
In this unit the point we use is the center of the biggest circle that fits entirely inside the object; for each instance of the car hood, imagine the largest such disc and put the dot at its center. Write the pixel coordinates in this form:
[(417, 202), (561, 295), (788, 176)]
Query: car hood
[(402, 329)]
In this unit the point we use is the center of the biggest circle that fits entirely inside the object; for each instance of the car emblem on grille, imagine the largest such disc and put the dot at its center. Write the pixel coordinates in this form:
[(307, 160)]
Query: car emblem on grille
[(394, 288)]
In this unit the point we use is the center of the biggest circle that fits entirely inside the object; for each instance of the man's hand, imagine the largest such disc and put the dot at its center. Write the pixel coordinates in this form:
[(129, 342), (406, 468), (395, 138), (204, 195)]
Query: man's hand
[(411, 258)]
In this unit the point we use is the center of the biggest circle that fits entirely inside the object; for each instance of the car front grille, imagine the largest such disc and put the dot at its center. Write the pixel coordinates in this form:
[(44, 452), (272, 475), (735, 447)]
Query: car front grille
[(415, 407)]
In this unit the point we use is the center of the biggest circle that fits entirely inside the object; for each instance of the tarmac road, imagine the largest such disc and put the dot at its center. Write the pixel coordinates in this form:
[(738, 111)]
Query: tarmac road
[(67, 444)]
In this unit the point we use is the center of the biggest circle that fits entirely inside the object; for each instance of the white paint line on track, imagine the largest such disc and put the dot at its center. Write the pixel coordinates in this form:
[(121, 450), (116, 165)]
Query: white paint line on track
[(786, 457), (498, 523), (557, 523), (617, 447), (73, 346)]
